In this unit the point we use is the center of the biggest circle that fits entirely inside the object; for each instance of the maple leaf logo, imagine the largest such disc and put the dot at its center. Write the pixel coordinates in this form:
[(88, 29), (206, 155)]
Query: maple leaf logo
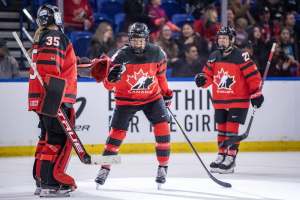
[(224, 81), (140, 80)]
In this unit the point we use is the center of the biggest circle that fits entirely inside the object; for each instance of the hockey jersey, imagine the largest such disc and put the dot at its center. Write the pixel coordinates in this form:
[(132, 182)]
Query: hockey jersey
[(53, 54), (234, 78), (144, 79)]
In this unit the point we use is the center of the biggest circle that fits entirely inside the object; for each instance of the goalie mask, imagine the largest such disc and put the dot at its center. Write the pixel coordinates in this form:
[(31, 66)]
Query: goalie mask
[(48, 14), (138, 38), (230, 32)]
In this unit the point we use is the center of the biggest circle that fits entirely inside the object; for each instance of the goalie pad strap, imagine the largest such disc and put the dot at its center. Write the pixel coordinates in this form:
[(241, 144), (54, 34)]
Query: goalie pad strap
[(39, 149), (51, 158)]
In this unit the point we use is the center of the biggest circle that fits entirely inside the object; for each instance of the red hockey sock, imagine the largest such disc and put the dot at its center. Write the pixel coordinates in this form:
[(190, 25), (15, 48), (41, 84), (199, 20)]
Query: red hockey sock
[(162, 138), (232, 131), (221, 137)]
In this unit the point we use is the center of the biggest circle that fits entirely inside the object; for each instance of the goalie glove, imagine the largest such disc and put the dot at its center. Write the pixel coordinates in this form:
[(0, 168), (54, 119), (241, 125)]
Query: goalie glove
[(257, 99), (200, 80), (168, 97)]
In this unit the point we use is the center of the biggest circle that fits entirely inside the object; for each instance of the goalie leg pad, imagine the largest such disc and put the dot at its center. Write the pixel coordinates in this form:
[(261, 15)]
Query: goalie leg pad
[(52, 95), (162, 138)]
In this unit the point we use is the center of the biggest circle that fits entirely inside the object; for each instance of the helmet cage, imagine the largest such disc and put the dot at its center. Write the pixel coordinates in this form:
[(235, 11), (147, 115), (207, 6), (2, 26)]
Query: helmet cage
[(48, 14), (138, 30), (230, 32)]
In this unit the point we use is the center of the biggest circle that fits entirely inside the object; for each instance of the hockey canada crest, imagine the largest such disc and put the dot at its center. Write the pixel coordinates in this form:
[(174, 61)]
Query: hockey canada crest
[(223, 80), (140, 80)]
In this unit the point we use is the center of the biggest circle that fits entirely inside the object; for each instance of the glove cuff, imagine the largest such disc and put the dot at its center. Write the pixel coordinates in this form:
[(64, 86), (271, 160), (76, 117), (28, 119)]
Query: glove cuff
[(257, 94)]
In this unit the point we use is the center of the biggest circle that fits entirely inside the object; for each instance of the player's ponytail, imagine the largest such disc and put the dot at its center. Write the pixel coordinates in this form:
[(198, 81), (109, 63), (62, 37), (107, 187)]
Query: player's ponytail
[(36, 35)]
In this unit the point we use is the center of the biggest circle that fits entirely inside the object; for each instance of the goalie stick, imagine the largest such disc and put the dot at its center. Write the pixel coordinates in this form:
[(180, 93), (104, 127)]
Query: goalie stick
[(234, 140), (84, 157), (224, 184)]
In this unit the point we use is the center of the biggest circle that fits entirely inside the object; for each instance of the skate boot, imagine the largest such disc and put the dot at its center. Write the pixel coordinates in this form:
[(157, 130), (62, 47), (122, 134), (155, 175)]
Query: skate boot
[(214, 166), (161, 176), (102, 176), (38, 188), (55, 191), (227, 166)]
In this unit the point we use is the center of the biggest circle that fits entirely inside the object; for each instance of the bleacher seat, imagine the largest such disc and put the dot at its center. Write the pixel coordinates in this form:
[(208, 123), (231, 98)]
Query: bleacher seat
[(110, 7), (253, 6), (93, 4), (181, 19), (297, 19), (100, 17), (81, 41), (119, 18), (171, 7)]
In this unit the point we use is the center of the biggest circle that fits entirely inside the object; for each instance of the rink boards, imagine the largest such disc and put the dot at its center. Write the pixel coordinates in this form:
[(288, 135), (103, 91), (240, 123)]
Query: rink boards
[(275, 127)]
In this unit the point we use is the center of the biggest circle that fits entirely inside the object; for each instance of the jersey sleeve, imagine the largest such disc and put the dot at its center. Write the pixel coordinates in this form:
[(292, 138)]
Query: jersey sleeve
[(51, 52), (208, 70), (251, 73), (161, 71)]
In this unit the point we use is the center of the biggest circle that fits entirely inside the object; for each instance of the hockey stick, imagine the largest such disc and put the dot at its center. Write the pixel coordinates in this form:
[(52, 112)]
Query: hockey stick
[(228, 185), (84, 157), (27, 35), (234, 140)]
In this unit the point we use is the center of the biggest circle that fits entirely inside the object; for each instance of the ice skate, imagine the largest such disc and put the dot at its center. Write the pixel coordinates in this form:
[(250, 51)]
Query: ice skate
[(227, 166), (55, 191), (102, 176), (38, 188), (214, 166), (161, 176)]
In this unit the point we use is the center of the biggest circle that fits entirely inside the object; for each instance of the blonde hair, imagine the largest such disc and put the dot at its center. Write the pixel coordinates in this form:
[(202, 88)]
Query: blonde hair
[(242, 23), (208, 15), (99, 33), (35, 37)]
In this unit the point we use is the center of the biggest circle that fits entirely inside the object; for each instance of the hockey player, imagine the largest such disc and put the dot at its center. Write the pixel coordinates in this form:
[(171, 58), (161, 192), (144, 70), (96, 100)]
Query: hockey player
[(235, 82), (137, 75), (52, 54)]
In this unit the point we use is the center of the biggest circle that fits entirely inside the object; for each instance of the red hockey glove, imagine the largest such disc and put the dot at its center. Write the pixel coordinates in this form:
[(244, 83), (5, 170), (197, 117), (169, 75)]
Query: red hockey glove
[(257, 99), (168, 97), (200, 80)]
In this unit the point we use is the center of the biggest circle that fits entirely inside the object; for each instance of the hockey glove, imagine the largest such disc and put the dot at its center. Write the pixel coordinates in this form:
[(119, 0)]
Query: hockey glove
[(115, 73), (168, 97), (257, 99), (83, 60), (200, 80)]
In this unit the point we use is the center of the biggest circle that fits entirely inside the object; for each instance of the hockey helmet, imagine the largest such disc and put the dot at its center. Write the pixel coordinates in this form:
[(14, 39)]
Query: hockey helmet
[(48, 14), (230, 32), (138, 30)]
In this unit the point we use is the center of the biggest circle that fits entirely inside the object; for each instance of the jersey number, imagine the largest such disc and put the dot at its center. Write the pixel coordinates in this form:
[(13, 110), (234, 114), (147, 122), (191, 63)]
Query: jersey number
[(246, 56), (53, 40)]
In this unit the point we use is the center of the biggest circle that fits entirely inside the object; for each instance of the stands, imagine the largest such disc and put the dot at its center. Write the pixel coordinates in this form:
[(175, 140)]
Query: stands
[(81, 41)]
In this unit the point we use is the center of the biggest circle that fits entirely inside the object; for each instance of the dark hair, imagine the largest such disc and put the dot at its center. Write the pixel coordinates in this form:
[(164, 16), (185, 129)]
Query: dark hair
[(118, 36), (187, 47)]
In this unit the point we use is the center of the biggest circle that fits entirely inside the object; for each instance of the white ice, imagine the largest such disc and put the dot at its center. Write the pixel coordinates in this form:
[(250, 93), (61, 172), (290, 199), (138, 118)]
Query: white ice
[(267, 175)]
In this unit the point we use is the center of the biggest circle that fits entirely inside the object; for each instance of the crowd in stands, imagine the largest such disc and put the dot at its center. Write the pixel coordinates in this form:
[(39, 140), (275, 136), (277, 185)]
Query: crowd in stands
[(258, 25)]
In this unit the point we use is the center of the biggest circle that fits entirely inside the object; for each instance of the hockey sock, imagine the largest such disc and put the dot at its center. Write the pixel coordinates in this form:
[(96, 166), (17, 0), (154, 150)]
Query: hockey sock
[(232, 131), (162, 138), (222, 137), (113, 143)]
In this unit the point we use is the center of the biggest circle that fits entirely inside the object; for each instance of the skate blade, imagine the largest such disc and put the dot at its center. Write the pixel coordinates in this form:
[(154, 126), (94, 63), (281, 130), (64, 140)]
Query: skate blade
[(37, 191), (105, 160), (214, 170), (159, 186), (50, 193), (97, 186), (224, 171)]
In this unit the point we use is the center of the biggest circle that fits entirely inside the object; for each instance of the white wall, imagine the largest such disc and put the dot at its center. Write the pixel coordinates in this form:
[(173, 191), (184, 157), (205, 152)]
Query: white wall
[(277, 120)]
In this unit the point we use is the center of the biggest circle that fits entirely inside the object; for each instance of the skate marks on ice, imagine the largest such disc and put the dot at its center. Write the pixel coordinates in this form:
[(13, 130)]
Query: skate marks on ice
[(190, 188)]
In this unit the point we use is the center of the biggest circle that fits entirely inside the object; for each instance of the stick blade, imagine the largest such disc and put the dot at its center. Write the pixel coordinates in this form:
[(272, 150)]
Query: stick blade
[(105, 160)]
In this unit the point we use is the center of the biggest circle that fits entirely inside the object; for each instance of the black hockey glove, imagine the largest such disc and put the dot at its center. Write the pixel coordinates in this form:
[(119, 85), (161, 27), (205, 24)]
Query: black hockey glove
[(115, 73), (168, 97), (83, 60), (257, 101), (200, 79)]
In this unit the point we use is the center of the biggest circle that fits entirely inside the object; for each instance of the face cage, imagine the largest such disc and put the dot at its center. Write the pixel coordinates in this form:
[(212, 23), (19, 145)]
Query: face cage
[(223, 48), (138, 51)]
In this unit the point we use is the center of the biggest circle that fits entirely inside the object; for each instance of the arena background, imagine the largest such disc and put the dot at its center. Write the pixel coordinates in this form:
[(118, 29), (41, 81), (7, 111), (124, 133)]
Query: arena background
[(275, 127)]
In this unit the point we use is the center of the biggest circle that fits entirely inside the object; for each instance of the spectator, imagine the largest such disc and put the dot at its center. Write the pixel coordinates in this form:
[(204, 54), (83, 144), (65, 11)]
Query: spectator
[(241, 10), (247, 46), (279, 66), (268, 29), (102, 41), (78, 15), (166, 41), (189, 36), (241, 34), (135, 11), (211, 26), (284, 41), (260, 50), (288, 21), (159, 19), (9, 67), (121, 39), (189, 64), (196, 8), (231, 18)]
